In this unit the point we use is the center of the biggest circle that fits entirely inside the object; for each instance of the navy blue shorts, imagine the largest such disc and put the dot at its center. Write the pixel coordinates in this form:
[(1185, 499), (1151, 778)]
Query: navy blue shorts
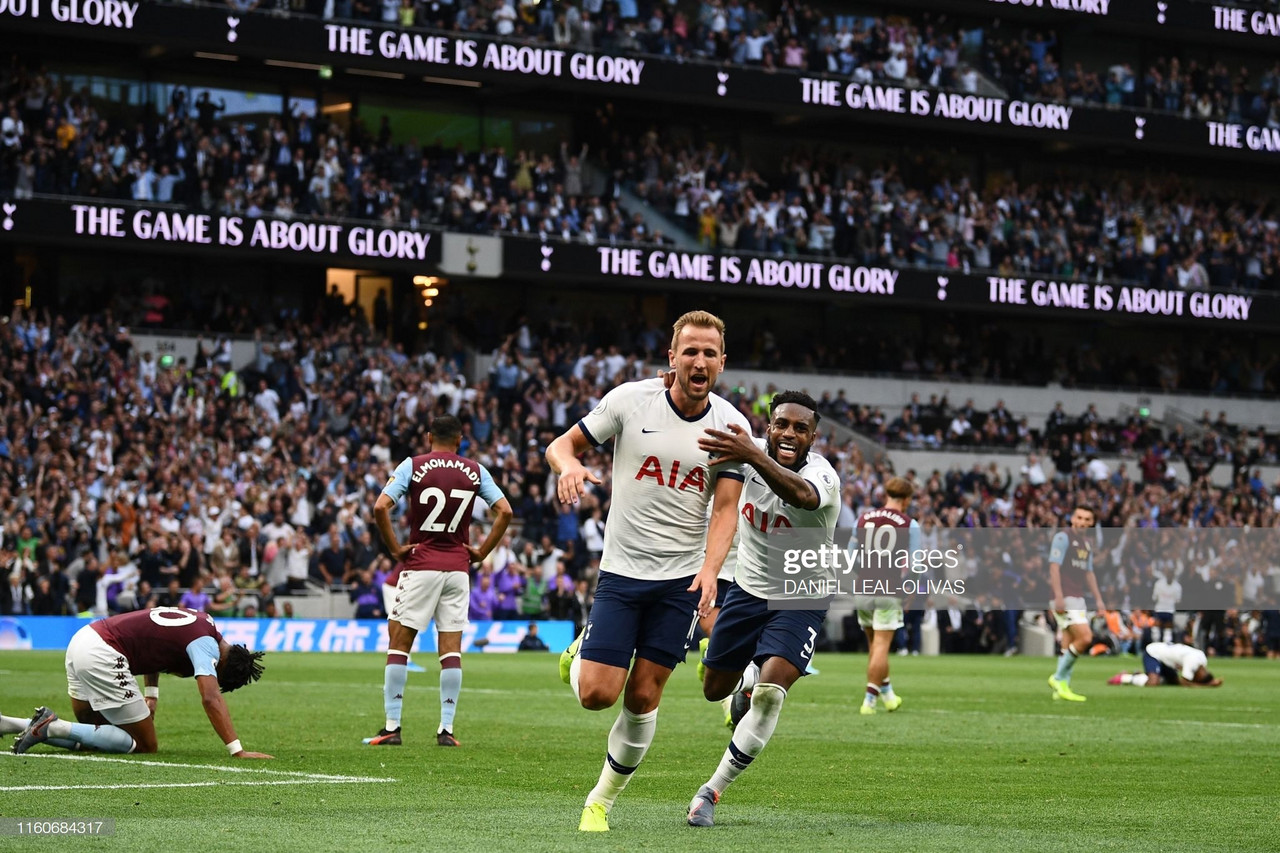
[(1164, 616), (653, 620), (748, 630), (722, 590)]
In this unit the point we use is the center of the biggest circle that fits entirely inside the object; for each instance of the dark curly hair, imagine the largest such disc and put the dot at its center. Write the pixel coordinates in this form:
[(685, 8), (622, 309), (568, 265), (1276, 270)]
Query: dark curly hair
[(240, 667), (799, 398)]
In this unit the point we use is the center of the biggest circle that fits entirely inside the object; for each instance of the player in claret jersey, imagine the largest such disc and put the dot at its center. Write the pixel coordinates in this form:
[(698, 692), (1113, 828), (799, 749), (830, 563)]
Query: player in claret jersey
[(753, 647), (434, 581), (1070, 571), (661, 558), (885, 530), (102, 660)]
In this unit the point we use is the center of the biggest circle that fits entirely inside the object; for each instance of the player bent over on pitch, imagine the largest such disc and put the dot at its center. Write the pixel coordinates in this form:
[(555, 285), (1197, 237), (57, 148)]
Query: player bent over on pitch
[(658, 571), (101, 661), (434, 578), (791, 488), (1171, 665)]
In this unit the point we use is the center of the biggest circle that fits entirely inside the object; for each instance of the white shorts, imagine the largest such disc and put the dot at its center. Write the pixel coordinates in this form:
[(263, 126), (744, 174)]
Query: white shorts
[(425, 595), (100, 675), (1075, 613), (882, 618)]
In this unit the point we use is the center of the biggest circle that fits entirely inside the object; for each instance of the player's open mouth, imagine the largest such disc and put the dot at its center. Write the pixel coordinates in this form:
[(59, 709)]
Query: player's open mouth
[(786, 450), (698, 381)]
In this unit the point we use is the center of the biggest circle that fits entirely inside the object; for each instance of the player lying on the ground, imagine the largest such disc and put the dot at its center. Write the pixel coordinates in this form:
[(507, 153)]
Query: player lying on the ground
[(1172, 665), (755, 648), (102, 658)]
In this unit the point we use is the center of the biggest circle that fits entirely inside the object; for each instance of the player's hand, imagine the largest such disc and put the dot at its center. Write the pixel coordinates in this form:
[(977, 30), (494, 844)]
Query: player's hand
[(402, 553), (733, 446), (572, 483), (245, 754), (668, 378), (151, 705), (473, 553), (705, 584), (1059, 606)]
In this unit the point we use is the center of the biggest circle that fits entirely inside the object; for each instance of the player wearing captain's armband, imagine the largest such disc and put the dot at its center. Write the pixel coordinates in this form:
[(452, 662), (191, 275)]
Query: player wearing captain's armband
[(756, 651), (660, 562)]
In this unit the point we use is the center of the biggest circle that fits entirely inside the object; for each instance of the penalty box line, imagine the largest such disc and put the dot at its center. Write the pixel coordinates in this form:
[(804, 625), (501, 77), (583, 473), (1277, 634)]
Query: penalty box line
[(296, 776)]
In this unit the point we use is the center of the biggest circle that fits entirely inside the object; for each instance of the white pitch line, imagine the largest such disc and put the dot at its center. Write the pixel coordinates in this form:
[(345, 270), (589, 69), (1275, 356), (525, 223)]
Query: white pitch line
[(142, 762), (217, 784)]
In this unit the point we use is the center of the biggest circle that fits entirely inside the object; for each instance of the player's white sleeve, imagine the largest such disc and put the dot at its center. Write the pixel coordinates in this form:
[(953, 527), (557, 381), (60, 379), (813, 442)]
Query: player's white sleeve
[(398, 485), (489, 491), (826, 484), (204, 655), (606, 419)]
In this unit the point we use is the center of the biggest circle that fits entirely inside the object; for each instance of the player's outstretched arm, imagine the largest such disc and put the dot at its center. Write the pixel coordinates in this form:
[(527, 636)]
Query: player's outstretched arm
[(216, 709), (737, 446), (562, 456), (382, 516)]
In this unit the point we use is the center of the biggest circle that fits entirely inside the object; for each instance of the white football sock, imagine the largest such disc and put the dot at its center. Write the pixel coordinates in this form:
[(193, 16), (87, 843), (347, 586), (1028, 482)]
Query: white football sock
[(12, 725), (750, 678), (575, 672), (751, 735), (629, 740)]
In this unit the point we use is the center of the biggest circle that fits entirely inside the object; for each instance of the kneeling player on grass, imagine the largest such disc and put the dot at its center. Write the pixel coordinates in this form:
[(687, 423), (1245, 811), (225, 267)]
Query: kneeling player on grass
[(434, 582), (1172, 665), (102, 658), (754, 648)]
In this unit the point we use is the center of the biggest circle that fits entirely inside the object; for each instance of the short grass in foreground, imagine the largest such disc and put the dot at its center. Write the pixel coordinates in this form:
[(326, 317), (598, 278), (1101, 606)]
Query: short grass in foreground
[(978, 756)]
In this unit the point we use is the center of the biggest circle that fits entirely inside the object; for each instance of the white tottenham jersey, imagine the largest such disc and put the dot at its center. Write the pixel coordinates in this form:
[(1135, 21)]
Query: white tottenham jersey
[(1166, 595), (761, 512), (1185, 659), (662, 482)]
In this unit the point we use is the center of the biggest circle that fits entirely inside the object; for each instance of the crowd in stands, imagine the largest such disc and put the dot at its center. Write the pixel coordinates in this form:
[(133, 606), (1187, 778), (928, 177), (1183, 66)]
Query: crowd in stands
[(1165, 233), (125, 483), (1169, 234), (1069, 441), (908, 49)]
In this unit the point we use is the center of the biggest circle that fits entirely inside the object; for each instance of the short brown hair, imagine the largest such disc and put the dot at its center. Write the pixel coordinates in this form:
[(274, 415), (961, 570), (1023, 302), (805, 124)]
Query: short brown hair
[(700, 320), (899, 488)]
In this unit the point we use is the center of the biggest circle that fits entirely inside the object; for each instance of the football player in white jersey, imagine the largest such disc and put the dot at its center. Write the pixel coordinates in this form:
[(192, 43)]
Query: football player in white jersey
[(754, 647), (1173, 665), (658, 571)]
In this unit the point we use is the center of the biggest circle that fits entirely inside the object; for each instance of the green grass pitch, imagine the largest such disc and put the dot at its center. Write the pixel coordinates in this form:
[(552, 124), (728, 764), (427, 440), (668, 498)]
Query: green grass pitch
[(978, 755)]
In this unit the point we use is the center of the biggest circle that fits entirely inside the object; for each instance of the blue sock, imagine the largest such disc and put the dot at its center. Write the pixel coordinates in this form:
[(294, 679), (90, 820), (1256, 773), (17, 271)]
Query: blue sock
[(64, 743), (1065, 663), (450, 688), (102, 738), (395, 676)]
